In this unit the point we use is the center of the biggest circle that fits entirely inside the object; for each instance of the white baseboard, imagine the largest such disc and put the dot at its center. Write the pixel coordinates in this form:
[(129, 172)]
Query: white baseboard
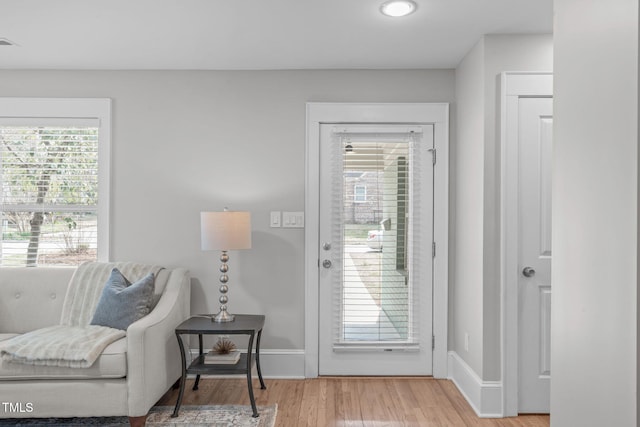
[(485, 397), (284, 364)]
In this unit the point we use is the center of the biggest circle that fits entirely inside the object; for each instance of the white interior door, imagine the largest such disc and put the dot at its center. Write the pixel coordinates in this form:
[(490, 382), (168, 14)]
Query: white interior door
[(534, 284), (376, 234)]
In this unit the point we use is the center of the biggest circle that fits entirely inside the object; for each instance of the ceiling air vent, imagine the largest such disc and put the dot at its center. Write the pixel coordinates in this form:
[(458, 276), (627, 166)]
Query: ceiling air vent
[(5, 42)]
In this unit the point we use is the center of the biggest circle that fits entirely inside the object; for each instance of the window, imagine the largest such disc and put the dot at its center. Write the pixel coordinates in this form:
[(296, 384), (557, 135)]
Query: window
[(359, 193), (378, 280), (54, 163)]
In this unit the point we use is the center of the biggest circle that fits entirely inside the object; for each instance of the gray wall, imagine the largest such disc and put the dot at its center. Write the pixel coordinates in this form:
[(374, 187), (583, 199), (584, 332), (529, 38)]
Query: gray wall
[(467, 238), (188, 141), (475, 289), (595, 214)]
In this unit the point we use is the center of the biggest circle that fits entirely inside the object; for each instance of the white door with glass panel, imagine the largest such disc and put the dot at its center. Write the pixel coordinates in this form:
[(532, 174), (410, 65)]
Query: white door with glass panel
[(376, 237)]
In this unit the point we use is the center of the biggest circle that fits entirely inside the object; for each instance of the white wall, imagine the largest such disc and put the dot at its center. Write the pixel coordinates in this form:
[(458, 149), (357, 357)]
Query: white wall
[(476, 248), (466, 248), (186, 141), (595, 208)]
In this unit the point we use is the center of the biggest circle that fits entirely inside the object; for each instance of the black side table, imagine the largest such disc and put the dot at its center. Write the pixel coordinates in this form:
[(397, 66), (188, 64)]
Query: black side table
[(244, 324)]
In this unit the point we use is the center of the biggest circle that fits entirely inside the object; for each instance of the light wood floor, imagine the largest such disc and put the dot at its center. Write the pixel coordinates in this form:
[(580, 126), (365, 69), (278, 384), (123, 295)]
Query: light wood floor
[(352, 402)]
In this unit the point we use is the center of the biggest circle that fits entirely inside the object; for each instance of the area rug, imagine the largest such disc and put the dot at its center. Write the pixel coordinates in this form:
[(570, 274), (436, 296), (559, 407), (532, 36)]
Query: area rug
[(160, 416)]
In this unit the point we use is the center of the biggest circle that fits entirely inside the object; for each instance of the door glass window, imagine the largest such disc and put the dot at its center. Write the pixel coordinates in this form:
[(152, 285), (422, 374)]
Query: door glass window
[(375, 286)]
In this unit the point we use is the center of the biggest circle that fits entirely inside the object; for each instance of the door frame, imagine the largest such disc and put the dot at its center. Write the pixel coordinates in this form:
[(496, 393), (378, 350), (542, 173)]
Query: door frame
[(400, 113), (514, 85)]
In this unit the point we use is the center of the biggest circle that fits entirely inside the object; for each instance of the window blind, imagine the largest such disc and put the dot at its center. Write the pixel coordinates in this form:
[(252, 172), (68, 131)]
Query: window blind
[(49, 181), (375, 279)]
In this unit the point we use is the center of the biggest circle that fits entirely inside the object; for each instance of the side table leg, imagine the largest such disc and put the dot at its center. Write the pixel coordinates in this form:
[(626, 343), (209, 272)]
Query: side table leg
[(183, 379), (195, 385), (249, 383), (262, 386), (200, 352)]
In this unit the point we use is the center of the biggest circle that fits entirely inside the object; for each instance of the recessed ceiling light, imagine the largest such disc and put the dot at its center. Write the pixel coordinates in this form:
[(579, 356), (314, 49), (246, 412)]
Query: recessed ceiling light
[(396, 8)]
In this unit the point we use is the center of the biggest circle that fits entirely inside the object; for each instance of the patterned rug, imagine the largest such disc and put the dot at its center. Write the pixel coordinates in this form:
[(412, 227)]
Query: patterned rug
[(160, 416)]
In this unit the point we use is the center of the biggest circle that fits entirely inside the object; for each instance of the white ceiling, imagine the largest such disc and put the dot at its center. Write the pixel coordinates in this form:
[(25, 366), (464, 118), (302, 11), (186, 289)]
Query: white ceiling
[(253, 34)]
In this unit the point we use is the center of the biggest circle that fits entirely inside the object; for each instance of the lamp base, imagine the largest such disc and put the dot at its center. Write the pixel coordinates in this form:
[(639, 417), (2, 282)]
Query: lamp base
[(223, 316)]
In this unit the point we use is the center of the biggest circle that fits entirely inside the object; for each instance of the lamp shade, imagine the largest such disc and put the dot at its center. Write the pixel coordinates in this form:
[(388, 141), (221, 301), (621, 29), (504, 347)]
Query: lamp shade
[(226, 230)]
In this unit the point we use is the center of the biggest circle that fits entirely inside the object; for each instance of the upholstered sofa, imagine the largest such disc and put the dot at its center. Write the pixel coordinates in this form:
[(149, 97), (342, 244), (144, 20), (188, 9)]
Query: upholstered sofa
[(129, 375)]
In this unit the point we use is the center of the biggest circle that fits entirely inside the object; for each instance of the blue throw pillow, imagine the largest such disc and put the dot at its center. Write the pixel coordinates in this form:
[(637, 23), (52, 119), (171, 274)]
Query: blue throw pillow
[(123, 302)]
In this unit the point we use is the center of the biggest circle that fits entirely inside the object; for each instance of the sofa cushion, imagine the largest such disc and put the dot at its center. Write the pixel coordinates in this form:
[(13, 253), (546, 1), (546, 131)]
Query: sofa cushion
[(32, 298), (112, 363), (123, 302)]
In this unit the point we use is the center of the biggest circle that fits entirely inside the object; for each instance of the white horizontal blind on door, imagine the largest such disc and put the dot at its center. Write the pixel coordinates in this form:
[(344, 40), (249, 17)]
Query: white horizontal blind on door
[(375, 291), (49, 181)]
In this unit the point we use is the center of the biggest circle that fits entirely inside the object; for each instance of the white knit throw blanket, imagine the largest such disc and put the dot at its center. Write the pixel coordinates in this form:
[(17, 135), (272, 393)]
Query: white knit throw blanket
[(74, 342), (61, 345)]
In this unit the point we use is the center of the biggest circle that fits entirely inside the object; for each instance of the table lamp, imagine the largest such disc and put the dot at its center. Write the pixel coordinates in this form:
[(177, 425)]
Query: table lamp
[(224, 231)]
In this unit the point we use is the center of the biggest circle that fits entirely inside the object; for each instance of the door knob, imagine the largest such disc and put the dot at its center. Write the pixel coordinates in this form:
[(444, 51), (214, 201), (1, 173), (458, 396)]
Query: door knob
[(326, 246), (326, 263), (528, 272)]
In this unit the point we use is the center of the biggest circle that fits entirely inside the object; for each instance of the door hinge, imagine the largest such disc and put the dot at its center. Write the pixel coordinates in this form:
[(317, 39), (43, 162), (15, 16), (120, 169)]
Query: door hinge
[(433, 154), (433, 342), (433, 249)]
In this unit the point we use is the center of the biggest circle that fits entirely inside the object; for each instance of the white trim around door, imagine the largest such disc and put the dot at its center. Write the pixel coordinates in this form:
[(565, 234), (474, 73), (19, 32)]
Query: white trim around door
[(514, 85), (395, 113)]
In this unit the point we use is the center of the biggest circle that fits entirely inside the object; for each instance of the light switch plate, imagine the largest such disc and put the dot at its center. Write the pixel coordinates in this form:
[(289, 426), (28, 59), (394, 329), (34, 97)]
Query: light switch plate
[(293, 219), (275, 219)]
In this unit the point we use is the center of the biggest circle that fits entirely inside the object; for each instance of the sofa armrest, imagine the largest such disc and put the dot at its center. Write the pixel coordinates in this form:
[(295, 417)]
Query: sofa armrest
[(153, 355)]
